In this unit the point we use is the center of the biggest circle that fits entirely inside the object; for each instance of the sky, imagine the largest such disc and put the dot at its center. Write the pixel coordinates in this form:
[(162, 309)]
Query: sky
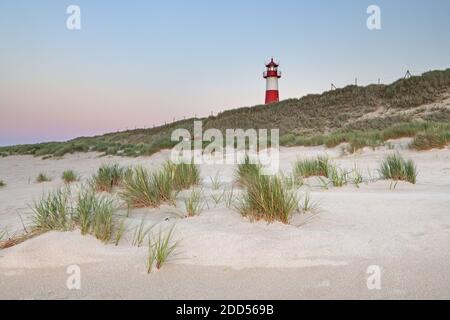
[(141, 63)]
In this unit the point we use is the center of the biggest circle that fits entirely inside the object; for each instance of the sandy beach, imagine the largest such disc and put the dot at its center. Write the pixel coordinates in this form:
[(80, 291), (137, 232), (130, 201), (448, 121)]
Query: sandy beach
[(403, 229)]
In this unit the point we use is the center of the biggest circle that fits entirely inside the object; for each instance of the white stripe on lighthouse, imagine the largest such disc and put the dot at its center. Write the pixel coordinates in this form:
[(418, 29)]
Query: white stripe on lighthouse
[(272, 83)]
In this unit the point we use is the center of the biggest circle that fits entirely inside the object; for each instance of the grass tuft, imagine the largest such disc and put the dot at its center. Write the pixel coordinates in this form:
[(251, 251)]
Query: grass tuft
[(139, 189), (160, 249), (311, 167), (108, 176), (338, 177), (396, 168), (268, 198), (183, 175), (42, 178), (2, 183), (246, 171), (194, 204), (69, 176), (53, 211)]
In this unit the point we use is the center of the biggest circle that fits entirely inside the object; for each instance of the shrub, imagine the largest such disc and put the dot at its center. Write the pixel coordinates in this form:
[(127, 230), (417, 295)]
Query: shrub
[(42, 178), (69, 176), (266, 197), (396, 168)]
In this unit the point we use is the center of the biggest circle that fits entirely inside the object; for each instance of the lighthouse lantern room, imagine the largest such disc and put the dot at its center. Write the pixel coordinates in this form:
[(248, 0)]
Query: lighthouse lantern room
[(272, 75)]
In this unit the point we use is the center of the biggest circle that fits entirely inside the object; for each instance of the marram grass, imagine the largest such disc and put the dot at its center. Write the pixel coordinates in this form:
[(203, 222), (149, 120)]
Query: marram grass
[(107, 177), (69, 176), (396, 168), (193, 203), (318, 166), (140, 190), (42, 178), (160, 249), (53, 211), (267, 198)]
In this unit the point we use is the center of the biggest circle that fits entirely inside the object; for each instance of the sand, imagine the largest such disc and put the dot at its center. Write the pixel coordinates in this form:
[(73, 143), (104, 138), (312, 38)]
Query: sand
[(405, 231)]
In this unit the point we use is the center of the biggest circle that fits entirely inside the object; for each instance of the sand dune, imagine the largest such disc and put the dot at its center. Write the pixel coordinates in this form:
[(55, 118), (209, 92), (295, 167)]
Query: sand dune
[(406, 231)]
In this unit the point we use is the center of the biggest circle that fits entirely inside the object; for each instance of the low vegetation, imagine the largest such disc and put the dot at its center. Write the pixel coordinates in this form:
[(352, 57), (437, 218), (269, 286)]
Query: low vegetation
[(141, 188), (246, 171), (311, 167), (193, 203), (437, 137), (91, 213), (53, 211), (94, 214), (42, 178), (183, 175), (141, 232), (396, 168), (69, 176), (268, 198), (160, 249), (2, 183), (108, 176), (329, 118)]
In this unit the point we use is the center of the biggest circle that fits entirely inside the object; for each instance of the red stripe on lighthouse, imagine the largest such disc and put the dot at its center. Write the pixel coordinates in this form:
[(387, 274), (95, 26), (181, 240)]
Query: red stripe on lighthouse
[(272, 96), (272, 74)]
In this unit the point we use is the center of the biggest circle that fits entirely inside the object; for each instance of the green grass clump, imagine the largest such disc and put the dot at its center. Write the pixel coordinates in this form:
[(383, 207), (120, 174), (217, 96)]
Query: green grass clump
[(268, 198), (103, 224), (69, 176), (163, 182), (108, 176), (246, 170), (338, 177), (139, 189), (193, 203), (396, 168), (431, 139), (94, 215), (183, 175), (2, 183), (160, 249), (311, 167), (53, 211), (42, 178)]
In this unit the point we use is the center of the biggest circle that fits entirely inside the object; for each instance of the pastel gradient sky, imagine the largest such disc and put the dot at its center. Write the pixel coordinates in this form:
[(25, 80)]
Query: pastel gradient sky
[(138, 63)]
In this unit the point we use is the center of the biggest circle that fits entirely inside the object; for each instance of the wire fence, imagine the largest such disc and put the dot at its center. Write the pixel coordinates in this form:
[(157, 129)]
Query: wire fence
[(334, 85), (381, 80)]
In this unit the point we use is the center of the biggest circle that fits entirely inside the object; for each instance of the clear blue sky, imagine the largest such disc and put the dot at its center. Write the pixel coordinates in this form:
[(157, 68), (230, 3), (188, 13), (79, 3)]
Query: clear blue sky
[(139, 63)]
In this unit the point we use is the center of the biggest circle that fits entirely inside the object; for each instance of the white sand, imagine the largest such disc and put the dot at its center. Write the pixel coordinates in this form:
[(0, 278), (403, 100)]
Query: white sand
[(406, 231)]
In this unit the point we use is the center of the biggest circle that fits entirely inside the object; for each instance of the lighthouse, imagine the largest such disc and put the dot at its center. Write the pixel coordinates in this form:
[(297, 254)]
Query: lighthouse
[(271, 75)]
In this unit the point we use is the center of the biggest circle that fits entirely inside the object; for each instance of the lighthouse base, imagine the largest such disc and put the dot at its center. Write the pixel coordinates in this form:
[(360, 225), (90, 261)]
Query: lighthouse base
[(272, 96)]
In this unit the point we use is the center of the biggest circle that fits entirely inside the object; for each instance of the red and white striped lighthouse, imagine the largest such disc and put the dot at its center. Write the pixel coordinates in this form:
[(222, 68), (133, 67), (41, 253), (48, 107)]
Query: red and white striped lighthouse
[(271, 75)]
